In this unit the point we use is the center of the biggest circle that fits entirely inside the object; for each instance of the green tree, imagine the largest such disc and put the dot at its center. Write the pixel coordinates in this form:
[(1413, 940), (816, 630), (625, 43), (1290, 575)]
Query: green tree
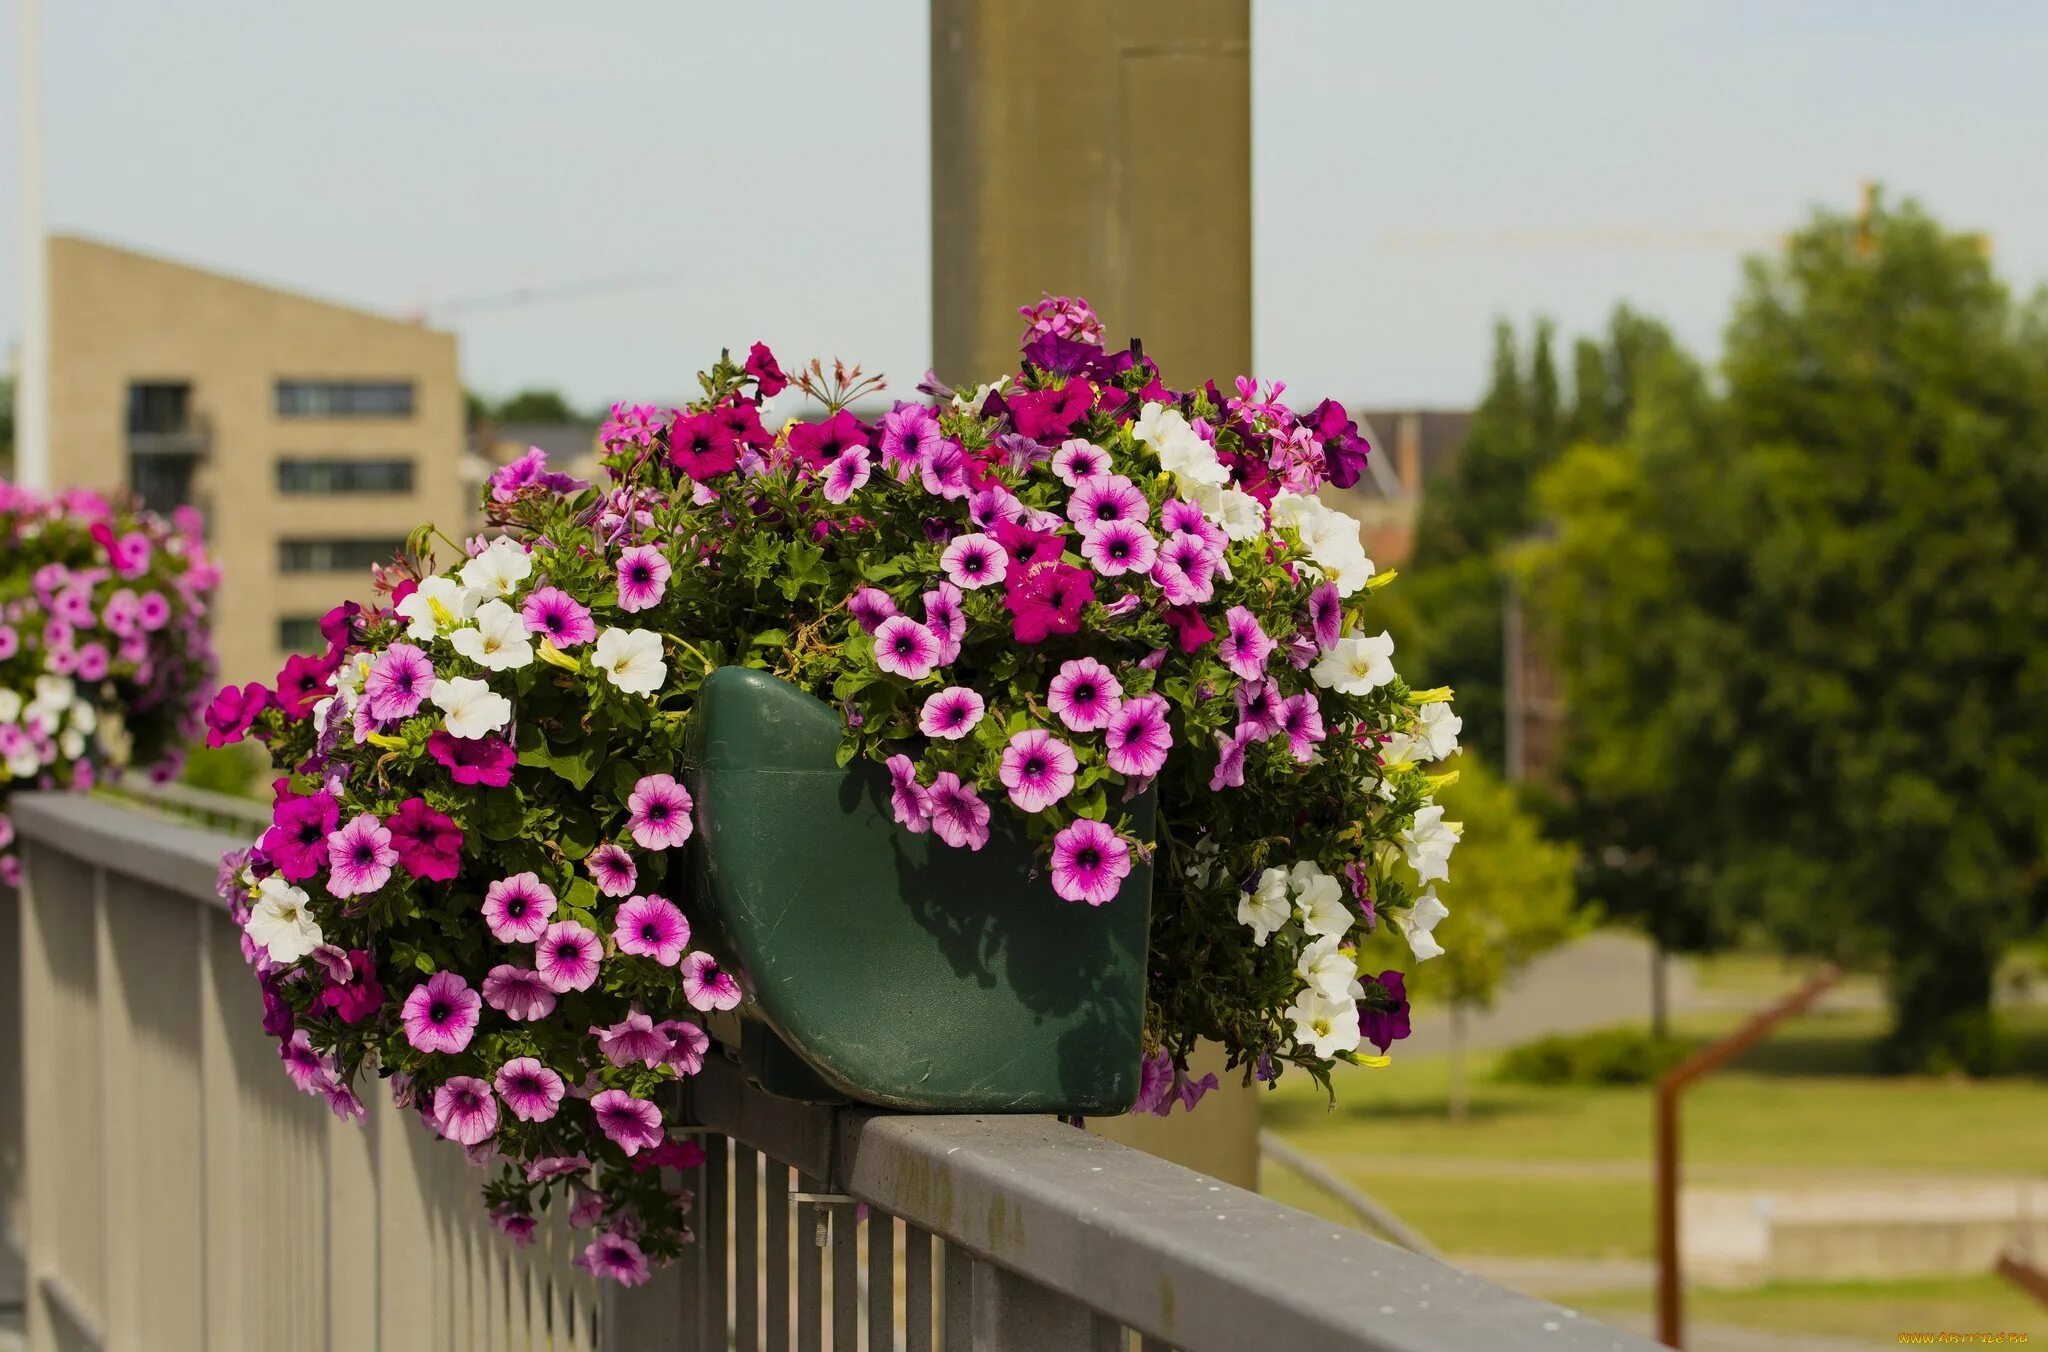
[(536, 405), (1801, 625)]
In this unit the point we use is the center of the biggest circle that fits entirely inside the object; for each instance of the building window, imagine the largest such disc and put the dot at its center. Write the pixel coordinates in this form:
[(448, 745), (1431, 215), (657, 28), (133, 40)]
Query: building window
[(323, 475), (334, 556), (158, 407), (299, 634), (344, 398)]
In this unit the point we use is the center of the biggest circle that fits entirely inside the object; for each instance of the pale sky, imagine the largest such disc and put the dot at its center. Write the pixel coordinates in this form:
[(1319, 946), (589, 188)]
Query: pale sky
[(761, 170)]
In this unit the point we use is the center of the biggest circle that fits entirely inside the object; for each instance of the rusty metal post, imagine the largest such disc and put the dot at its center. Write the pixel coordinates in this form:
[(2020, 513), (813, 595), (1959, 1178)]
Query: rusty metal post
[(2015, 1267), (1670, 1291)]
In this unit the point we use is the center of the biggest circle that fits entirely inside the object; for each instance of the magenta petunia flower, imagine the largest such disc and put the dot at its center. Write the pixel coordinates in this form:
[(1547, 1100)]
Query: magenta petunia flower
[(1038, 769), (441, 1014), (1089, 862), (296, 843), (587, 1207), (518, 908), (1138, 737), (908, 800), (1230, 749), (986, 506), (612, 869), (702, 446), (847, 474), (615, 1257), (1048, 600), (944, 471), (464, 1110), (951, 713), (633, 1038), (343, 1103), (1084, 694), (1185, 571), (974, 561), (1105, 499), (651, 927), (643, 577), (706, 985), (518, 993), (1077, 461), (1120, 547), (959, 816), (632, 1124), (1190, 630), (1245, 647), (1258, 709), (1178, 516), (555, 1166), (910, 433), (310, 1071), (485, 760), (429, 843), (400, 680), (1301, 719), (905, 648), (1325, 615), (517, 1226), (558, 617), (359, 857), (659, 813), (687, 1045), (567, 957), (870, 606), (944, 617)]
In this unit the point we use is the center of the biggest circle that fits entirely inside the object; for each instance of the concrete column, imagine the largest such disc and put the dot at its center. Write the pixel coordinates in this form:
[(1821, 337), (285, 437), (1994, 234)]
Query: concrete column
[(1101, 148)]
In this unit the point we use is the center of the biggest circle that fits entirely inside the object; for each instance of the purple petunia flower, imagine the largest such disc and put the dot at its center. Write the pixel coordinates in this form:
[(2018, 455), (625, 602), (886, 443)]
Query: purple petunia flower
[(1383, 1013), (530, 1089), (643, 577), (958, 815), (1301, 719), (632, 1124), (974, 561), (441, 1014), (558, 617), (1138, 737), (518, 993), (359, 857), (905, 648), (1120, 547), (485, 760), (1104, 500), (951, 713), (651, 927), (870, 606), (659, 813), (633, 1038), (1084, 694), (908, 800), (1089, 863), (846, 474), (1230, 749), (464, 1110), (567, 957), (1325, 615), (400, 680), (910, 433), (616, 1257), (1038, 769), (1258, 709), (706, 985), (1245, 647), (612, 869), (1078, 460), (517, 909)]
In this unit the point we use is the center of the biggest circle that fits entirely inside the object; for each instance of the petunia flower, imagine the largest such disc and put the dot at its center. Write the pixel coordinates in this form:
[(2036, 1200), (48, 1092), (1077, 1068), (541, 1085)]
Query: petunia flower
[(517, 909), (1138, 737), (497, 641), (498, 570), (631, 660), (1245, 648), (1078, 460), (651, 927), (558, 617), (951, 714), (910, 433), (1325, 615), (1120, 547), (1089, 863), (518, 993), (399, 681), (567, 957), (1048, 600), (1038, 769), (464, 1110), (310, 1072), (472, 709), (437, 605), (1230, 753), (1326, 1027), (616, 1257), (847, 474), (1104, 500), (296, 843), (612, 869), (632, 1124), (909, 802), (440, 1015), (905, 648), (1266, 907), (643, 577), (870, 606), (1429, 842), (974, 561), (1301, 720), (687, 1045), (487, 761), (429, 843), (1356, 665), (659, 813), (703, 446), (707, 986), (958, 815), (633, 1038), (1258, 709), (359, 857)]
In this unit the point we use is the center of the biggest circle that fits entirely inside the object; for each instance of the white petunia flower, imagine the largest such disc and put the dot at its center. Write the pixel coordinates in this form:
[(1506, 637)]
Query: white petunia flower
[(1319, 900), (1434, 736), (498, 641), (1328, 1027), (10, 706), (437, 605), (499, 570), (1237, 513), (279, 922), (473, 709), (1418, 925), (1331, 538), (1357, 664), (631, 660), (84, 716), (71, 744), (1181, 450), (1429, 843), (1265, 908), (1327, 970), (54, 694)]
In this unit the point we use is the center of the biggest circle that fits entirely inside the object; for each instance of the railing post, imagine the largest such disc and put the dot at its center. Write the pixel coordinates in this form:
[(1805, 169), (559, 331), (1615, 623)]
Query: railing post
[(1016, 1314)]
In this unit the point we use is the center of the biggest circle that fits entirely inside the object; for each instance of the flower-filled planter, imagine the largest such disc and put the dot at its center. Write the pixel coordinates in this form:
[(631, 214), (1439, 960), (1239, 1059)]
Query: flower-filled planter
[(105, 656), (890, 734)]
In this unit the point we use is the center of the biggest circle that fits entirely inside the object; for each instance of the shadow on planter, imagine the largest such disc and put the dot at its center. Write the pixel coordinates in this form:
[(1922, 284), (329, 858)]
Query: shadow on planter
[(888, 968)]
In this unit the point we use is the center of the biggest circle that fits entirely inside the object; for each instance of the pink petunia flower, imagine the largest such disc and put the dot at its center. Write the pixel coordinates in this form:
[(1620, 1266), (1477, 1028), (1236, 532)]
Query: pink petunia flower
[(1089, 863), (870, 606), (687, 1045), (530, 1089), (958, 815), (485, 760), (517, 1226), (1185, 571), (974, 561), (1078, 460), (1084, 694), (633, 1038), (567, 957), (909, 802), (558, 617), (643, 577), (905, 648), (632, 1124), (1120, 547), (1258, 709), (441, 1014), (1104, 500), (651, 927), (518, 908), (1038, 769), (994, 503), (464, 1110), (1325, 615), (518, 993), (555, 1166), (910, 433), (359, 857), (1230, 749), (612, 869), (1301, 719), (947, 621), (309, 1070), (399, 681), (706, 985), (429, 843), (1245, 647), (951, 713), (1138, 737), (296, 843), (659, 813), (616, 1257), (847, 474)]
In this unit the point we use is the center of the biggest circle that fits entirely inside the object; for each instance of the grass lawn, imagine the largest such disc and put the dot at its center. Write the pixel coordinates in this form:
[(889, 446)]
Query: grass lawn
[(1878, 1311)]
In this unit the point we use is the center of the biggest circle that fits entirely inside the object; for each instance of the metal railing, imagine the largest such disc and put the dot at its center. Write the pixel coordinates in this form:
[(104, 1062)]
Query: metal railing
[(180, 1193)]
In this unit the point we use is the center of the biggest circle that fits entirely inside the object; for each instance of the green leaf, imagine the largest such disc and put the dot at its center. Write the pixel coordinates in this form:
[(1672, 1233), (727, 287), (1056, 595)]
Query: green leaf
[(770, 638)]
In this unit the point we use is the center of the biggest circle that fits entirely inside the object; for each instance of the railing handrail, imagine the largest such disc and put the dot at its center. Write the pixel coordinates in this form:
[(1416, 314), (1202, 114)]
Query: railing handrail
[(184, 859)]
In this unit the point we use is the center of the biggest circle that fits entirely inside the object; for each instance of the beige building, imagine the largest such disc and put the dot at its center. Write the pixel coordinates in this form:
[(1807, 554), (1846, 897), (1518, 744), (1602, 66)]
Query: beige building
[(313, 437)]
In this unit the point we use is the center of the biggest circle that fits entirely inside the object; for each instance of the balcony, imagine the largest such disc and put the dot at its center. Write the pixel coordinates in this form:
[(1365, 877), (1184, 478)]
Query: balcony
[(174, 1191)]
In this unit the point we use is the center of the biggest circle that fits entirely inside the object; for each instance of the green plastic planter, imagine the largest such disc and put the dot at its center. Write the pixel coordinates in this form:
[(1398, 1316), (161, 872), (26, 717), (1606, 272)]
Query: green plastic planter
[(886, 967)]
